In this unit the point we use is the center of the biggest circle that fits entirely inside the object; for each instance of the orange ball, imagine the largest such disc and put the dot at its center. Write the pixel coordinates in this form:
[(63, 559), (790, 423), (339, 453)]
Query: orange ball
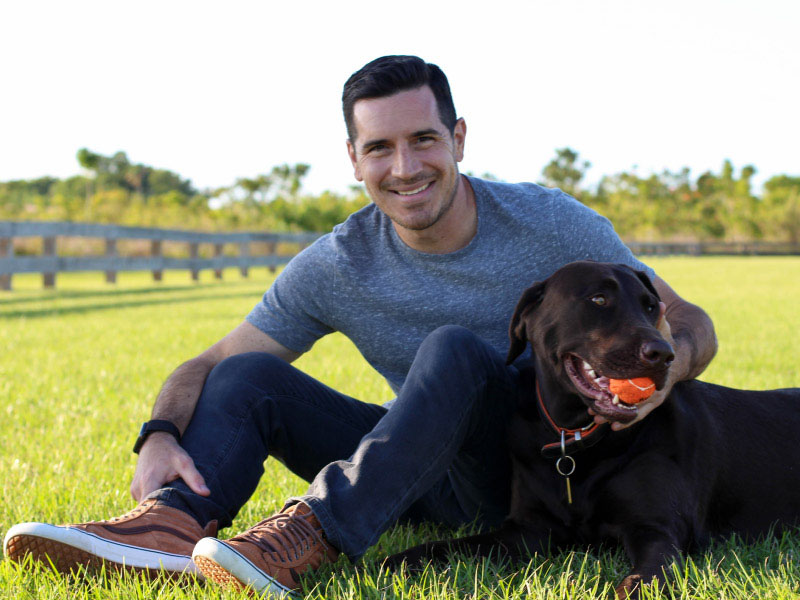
[(632, 391)]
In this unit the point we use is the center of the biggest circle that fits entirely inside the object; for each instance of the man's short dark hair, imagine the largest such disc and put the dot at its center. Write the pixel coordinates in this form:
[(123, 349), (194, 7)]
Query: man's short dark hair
[(388, 75)]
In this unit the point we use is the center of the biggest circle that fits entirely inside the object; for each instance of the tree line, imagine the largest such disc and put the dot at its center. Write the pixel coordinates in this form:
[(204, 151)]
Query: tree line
[(668, 206)]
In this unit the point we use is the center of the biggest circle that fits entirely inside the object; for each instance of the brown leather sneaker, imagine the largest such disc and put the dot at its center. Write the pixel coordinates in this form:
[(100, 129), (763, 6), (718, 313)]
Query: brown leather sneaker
[(269, 557), (152, 537)]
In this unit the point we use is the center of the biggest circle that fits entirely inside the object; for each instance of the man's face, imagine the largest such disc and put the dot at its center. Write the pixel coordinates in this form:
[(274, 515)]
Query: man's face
[(406, 157)]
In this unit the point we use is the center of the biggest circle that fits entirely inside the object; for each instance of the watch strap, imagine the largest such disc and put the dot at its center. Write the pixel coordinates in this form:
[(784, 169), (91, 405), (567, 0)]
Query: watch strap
[(153, 426)]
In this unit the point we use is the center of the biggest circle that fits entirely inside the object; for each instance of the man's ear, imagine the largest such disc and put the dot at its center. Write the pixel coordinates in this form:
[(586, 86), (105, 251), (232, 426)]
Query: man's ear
[(459, 139), (517, 331), (351, 152)]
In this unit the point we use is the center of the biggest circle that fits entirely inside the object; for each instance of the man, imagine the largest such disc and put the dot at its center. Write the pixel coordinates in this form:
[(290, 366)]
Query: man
[(424, 281)]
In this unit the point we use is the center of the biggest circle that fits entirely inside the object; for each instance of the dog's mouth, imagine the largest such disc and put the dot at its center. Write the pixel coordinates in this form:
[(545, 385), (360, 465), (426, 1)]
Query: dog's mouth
[(593, 385)]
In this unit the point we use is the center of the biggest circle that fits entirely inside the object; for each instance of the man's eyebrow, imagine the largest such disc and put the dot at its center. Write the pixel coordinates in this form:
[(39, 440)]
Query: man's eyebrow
[(420, 133), (371, 143), (426, 132)]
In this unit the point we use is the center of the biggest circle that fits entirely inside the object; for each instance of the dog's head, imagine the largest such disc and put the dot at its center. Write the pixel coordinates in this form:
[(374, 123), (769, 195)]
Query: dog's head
[(589, 322)]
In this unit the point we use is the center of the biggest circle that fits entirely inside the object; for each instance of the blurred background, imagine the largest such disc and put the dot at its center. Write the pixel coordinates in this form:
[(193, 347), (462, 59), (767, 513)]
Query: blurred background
[(677, 120)]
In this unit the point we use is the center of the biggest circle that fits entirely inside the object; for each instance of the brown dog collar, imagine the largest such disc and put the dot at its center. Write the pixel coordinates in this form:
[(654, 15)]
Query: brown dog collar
[(570, 440)]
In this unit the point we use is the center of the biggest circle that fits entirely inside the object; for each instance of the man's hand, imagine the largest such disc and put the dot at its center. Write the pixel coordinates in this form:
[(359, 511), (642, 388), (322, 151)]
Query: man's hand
[(162, 460)]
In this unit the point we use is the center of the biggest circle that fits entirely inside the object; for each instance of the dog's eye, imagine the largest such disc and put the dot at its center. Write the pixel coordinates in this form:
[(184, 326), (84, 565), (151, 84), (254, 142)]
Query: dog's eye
[(650, 308), (599, 299)]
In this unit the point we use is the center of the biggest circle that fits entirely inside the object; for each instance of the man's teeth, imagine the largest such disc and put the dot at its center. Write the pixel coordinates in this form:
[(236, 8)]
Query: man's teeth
[(412, 192)]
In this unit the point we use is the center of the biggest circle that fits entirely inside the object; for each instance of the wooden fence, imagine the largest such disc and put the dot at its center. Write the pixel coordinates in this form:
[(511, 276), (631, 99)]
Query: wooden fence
[(49, 262), (715, 248)]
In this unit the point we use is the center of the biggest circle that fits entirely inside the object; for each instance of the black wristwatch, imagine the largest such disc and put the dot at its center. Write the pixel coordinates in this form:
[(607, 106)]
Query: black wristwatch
[(152, 427)]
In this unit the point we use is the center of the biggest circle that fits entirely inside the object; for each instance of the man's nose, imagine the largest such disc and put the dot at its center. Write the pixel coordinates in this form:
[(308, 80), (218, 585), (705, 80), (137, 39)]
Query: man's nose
[(405, 165)]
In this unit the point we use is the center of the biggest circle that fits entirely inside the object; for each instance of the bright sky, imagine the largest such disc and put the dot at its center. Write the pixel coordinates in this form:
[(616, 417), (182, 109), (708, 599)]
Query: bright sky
[(220, 90)]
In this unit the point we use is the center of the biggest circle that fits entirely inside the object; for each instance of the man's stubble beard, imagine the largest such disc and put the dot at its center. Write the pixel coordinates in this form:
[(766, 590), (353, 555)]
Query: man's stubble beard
[(448, 204)]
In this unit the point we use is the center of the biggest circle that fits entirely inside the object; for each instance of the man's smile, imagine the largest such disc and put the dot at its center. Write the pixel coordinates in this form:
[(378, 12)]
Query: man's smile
[(415, 191)]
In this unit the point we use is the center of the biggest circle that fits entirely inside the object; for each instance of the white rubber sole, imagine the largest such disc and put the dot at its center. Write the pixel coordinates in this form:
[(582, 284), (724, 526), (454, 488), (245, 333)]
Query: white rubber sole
[(225, 566), (70, 547)]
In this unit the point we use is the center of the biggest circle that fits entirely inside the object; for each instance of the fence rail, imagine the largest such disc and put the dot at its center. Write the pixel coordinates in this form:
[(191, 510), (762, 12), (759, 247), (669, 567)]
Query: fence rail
[(49, 263), (715, 248)]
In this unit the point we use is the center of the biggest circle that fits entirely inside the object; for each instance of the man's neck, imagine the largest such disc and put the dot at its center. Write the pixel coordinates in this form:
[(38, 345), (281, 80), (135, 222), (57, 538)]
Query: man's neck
[(453, 231)]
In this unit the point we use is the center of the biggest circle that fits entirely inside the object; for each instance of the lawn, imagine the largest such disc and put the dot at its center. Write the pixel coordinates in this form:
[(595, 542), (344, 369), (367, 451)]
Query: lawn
[(81, 365)]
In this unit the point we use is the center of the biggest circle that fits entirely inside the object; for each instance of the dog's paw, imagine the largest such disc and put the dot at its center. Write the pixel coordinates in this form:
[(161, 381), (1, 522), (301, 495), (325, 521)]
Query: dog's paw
[(629, 588)]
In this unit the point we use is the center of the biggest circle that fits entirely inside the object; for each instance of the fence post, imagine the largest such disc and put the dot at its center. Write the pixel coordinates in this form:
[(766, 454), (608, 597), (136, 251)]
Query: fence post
[(6, 250), (193, 253), (218, 253), (271, 248), (155, 251), (111, 252), (244, 252), (49, 278)]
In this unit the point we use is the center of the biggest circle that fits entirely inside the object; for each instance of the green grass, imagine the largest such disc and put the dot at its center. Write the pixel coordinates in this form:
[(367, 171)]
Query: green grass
[(81, 365)]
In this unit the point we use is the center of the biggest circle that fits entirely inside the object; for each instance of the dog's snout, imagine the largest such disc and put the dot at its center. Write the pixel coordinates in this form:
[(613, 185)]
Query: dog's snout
[(657, 353)]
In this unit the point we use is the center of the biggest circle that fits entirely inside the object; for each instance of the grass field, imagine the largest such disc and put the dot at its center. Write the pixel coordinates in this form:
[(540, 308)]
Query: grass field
[(80, 367)]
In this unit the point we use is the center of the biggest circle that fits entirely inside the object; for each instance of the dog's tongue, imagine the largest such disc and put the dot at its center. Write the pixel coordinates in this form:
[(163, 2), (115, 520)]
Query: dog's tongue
[(632, 391)]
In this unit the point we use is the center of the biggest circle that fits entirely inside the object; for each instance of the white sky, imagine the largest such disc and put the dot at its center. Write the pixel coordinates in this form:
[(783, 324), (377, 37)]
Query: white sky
[(220, 90)]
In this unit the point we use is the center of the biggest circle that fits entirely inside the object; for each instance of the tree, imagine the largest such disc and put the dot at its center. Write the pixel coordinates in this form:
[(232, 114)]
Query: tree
[(781, 207), (565, 171), (116, 171)]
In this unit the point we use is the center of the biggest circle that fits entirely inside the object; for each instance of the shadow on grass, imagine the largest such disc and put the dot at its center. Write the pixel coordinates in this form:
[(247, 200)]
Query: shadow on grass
[(88, 308)]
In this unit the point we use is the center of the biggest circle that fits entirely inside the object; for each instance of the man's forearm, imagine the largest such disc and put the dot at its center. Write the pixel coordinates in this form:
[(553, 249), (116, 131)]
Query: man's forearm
[(178, 396), (694, 338)]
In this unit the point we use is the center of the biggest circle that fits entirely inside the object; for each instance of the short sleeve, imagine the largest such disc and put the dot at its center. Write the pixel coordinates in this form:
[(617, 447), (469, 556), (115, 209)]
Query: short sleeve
[(298, 307), (585, 234)]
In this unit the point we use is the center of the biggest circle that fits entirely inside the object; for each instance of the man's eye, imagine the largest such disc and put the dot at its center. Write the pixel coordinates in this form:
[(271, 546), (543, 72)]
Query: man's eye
[(425, 139), (599, 299)]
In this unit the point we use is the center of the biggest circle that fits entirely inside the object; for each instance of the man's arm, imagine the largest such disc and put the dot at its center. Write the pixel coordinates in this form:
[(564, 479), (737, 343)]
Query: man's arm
[(161, 459), (690, 331)]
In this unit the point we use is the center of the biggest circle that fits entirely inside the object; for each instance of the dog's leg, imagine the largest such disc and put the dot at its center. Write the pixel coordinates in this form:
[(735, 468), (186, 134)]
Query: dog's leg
[(650, 551), (509, 541)]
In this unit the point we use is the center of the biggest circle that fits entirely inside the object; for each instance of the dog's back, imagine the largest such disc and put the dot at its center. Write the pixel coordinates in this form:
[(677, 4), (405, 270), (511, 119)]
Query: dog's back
[(748, 453), (738, 449)]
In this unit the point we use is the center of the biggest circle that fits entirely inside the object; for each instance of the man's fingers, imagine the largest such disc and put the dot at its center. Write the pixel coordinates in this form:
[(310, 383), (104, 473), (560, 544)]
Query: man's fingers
[(663, 325), (142, 486), (135, 491), (191, 476), (644, 409), (162, 460)]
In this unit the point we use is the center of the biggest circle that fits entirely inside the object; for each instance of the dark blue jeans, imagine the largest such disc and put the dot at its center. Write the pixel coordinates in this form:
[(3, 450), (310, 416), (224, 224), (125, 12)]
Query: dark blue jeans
[(439, 453)]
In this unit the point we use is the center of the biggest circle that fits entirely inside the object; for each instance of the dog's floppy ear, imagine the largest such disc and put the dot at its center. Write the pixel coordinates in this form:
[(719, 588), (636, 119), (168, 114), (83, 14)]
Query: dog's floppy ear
[(517, 332), (647, 283)]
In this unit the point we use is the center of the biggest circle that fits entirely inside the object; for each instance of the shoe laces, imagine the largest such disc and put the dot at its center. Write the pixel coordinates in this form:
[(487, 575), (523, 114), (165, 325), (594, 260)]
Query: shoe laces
[(285, 536), (134, 512)]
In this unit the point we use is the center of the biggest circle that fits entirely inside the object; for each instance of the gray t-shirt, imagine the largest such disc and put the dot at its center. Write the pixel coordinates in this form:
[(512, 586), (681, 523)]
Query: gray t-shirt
[(363, 280)]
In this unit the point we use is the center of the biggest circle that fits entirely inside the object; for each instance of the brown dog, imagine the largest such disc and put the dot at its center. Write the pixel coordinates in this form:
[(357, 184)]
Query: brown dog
[(711, 461)]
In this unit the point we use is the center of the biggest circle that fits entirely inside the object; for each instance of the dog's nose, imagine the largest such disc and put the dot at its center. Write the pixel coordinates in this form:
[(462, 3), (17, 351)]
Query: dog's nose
[(657, 353)]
